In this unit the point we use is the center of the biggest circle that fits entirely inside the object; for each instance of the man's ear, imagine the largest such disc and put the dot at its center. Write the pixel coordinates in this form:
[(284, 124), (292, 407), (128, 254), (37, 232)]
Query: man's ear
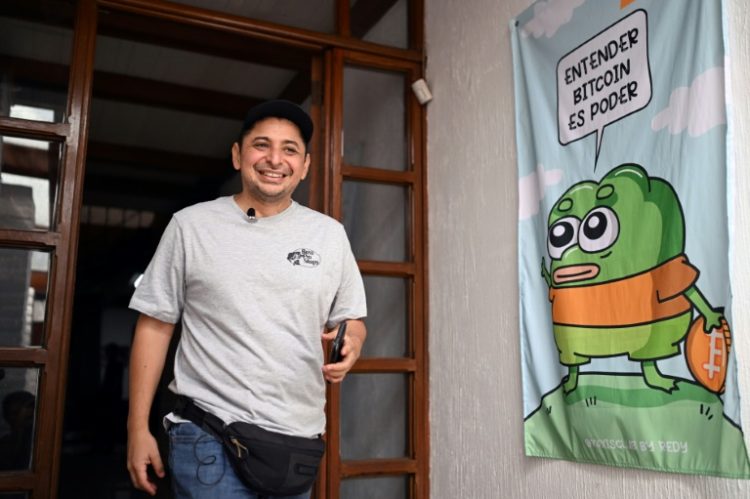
[(306, 166), (236, 156)]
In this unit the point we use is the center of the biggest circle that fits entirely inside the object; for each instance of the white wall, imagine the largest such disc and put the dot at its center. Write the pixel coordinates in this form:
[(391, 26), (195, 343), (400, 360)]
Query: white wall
[(475, 388)]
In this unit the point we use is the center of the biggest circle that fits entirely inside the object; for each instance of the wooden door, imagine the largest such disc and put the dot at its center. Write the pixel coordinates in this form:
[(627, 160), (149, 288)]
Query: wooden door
[(377, 417), (41, 190)]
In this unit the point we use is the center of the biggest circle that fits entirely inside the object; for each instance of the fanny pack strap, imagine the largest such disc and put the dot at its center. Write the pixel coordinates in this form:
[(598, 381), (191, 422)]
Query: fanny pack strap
[(267, 462), (187, 409)]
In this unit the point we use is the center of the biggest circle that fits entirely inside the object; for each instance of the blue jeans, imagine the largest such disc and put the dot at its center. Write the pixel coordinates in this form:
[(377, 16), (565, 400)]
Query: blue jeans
[(200, 470)]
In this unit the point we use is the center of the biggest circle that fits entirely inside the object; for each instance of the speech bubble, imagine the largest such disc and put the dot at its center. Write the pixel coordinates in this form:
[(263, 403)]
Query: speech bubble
[(603, 80)]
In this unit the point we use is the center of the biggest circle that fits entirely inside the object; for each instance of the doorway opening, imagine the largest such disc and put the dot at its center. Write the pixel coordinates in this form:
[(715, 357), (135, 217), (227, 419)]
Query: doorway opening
[(167, 103)]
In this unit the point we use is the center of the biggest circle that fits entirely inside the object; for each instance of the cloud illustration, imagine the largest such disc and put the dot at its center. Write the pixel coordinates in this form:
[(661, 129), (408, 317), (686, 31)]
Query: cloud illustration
[(531, 190), (697, 108), (549, 16)]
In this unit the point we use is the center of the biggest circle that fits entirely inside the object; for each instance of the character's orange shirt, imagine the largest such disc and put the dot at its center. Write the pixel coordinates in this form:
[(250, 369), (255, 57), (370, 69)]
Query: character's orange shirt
[(639, 299)]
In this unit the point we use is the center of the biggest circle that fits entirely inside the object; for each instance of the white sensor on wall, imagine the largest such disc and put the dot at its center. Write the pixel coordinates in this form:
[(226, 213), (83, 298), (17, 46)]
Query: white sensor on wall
[(421, 91)]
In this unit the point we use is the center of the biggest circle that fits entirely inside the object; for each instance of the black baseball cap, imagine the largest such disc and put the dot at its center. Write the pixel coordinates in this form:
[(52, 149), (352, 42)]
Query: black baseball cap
[(279, 108)]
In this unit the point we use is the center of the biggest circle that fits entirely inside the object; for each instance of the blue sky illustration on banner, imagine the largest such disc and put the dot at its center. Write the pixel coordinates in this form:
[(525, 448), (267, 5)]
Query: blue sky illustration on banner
[(604, 83)]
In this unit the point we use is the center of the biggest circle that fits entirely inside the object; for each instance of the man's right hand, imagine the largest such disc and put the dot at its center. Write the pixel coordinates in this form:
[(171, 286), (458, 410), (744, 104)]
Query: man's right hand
[(142, 453), (147, 356)]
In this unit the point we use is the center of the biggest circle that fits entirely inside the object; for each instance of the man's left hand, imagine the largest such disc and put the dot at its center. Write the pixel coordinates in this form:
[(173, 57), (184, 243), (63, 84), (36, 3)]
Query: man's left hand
[(353, 341)]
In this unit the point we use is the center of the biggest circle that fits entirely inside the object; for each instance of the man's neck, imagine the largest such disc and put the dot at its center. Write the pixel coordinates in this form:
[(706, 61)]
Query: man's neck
[(262, 208)]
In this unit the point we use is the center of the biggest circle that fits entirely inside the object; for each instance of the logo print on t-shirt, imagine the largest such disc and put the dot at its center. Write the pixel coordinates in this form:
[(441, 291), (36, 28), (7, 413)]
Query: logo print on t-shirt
[(304, 257)]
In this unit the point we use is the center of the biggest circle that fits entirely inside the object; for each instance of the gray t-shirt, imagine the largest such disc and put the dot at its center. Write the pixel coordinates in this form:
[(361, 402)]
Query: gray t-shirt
[(254, 298)]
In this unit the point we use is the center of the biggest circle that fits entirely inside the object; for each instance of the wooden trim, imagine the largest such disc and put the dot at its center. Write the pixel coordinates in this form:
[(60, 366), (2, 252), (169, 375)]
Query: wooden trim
[(416, 25), (384, 365), (327, 156), (315, 194), (63, 270), (34, 129), (23, 356), (380, 175), (337, 138), (325, 184), (327, 149), (378, 467), (35, 240), (13, 481), (333, 207), (396, 269), (333, 440), (343, 24), (285, 35), (419, 298), (378, 60)]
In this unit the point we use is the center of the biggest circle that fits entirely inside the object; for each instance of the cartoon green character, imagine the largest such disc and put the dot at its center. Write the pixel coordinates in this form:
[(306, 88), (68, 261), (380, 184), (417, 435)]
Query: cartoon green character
[(619, 282)]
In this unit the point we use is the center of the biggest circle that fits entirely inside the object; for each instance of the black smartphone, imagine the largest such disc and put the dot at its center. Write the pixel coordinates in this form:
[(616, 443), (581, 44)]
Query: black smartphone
[(338, 343)]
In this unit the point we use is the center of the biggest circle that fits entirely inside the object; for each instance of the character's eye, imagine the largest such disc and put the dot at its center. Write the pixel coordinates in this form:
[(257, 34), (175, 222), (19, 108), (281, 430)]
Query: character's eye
[(562, 235), (599, 230)]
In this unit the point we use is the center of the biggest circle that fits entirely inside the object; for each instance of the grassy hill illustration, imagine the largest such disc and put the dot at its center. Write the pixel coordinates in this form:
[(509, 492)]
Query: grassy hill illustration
[(617, 419)]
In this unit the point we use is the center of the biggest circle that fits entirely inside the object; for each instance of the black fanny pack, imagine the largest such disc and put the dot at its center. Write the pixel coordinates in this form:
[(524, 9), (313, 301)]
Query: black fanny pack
[(269, 463)]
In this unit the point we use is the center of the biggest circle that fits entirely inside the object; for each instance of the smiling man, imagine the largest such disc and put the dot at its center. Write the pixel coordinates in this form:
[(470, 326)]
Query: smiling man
[(272, 159), (256, 281)]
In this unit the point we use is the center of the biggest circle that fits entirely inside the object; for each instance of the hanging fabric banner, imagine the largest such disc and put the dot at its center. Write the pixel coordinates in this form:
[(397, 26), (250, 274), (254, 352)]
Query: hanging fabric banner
[(624, 235)]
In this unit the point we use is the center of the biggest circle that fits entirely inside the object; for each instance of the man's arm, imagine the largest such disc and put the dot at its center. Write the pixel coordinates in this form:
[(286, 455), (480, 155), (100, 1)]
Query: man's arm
[(147, 357), (353, 341)]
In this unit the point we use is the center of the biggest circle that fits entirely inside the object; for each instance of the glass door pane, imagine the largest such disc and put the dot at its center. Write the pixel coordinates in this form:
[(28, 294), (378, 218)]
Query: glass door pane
[(387, 316), (376, 218), (35, 47), (374, 416), (19, 393), (24, 282), (29, 178), (392, 487), (375, 119)]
